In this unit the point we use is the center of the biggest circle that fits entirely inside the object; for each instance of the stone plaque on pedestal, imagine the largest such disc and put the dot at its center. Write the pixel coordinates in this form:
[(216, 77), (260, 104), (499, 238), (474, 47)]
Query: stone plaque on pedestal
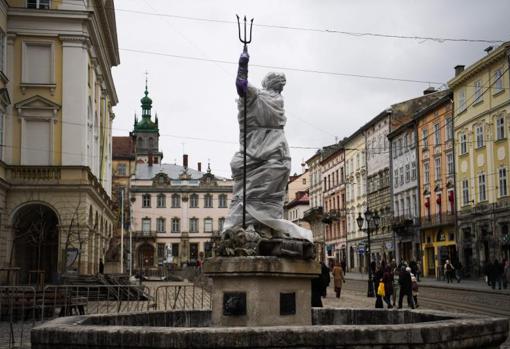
[(261, 291)]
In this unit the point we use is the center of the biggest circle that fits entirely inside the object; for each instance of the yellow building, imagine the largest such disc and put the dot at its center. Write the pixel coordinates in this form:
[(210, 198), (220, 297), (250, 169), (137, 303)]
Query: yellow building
[(55, 169), (482, 152)]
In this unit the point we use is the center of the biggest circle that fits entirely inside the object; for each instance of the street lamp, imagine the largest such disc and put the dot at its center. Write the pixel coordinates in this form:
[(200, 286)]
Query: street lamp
[(370, 217)]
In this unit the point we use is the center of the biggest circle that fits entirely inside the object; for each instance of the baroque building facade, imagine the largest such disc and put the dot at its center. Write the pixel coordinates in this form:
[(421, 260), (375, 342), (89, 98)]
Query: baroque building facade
[(55, 129), (481, 121), (404, 192), (356, 200), (437, 185), (333, 185)]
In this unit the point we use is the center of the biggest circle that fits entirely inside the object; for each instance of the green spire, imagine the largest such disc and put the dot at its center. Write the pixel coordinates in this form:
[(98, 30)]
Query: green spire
[(146, 103), (146, 124)]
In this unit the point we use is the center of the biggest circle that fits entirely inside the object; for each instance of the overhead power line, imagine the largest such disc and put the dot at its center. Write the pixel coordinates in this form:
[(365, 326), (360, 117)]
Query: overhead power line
[(437, 39), (319, 30), (303, 70)]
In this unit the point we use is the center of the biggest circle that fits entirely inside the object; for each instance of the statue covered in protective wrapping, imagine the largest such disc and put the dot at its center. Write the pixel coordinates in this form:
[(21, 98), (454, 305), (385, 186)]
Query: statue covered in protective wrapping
[(268, 167)]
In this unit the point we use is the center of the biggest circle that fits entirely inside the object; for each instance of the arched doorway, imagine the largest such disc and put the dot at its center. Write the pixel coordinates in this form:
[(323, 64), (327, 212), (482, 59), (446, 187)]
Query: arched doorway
[(35, 246), (146, 256)]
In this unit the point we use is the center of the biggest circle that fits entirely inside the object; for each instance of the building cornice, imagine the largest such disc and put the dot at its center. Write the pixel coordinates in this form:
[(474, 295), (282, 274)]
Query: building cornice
[(481, 64), (475, 118)]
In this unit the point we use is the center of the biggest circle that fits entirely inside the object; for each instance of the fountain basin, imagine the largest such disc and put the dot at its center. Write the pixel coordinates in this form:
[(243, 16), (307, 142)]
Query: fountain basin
[(331, 328)]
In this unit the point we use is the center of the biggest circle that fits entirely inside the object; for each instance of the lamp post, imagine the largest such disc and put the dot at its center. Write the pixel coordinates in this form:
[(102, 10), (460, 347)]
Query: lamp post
[(370, 218)]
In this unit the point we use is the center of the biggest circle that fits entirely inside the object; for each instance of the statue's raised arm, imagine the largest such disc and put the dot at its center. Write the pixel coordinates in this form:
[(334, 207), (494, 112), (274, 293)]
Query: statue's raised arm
[(242, 73)]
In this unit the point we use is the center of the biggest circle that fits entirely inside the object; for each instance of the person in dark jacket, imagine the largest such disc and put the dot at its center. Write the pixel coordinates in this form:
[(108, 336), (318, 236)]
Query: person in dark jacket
[(378, 278), (491, 275), (498, 274), (320, 285), (406, 284), (388, 286)]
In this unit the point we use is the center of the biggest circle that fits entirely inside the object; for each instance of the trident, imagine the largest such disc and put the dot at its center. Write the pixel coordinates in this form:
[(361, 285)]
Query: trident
[(245, 41)]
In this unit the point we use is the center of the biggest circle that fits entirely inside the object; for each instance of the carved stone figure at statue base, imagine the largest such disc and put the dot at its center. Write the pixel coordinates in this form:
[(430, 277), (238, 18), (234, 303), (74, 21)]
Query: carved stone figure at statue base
[(239, 242)]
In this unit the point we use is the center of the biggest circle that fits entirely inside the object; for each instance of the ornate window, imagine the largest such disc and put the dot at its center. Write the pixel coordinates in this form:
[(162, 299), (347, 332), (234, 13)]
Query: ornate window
[(437, 168), (462, 99), (463, 143), (221, 223), (193, 201), (426, 172), (146, 200), (208, 225), (160, 225), (176, 201), (121, 169), (449, 160), (161, 200), (208, 201), (498, 80), (449, 128), (176, 225), (500, 128), (425, 137), (465, 192), (503, 188), (222, 201), (146, 225), (478, 91), (437, 134), (479, 136), (193, 225), (39, 4), (482, 193)]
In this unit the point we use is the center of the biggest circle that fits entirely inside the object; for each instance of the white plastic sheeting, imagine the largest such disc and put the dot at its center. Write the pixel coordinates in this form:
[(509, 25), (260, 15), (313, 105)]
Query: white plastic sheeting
[(268, 164)]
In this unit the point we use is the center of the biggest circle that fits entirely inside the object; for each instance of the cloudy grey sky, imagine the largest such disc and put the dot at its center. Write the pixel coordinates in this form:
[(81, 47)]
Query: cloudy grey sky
[(195, 98)]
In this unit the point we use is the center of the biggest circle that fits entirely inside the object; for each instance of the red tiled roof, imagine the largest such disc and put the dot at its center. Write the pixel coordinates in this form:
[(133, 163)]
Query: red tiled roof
[(123, 148)]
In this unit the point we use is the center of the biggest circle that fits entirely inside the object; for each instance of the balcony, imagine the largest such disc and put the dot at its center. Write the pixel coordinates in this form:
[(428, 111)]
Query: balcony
[(48, 177), (145, 235), (402, 221), (312, 214), (437, 220)]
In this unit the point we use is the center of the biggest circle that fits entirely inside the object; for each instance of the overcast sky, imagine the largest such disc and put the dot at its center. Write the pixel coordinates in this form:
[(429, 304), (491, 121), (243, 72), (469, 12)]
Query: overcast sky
[(195, 99)]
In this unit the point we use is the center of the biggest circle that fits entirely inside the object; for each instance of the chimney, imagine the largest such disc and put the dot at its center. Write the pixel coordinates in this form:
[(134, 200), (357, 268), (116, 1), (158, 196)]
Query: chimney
[(199, 167), (459, 69), (185, 160), (303, 167), (489, 49), (429, 90)]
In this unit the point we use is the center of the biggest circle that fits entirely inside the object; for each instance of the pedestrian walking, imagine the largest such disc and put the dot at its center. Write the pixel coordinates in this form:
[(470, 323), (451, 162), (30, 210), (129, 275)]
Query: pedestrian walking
[(320, 285), (498, 274), (405, 281), (490, 274), (396, 284), (506, 274), (343, 264), (379, 287), (448, 270), (338, 278), (388, 287), (458, 271), (418, 270), (414, 288)]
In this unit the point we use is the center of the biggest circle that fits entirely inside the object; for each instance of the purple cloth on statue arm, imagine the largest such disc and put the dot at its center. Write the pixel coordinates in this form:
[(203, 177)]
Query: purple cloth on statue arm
[(242, 86)]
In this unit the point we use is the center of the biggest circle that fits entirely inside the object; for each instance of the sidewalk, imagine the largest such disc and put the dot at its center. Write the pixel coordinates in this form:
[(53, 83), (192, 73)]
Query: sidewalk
[(468, 285)]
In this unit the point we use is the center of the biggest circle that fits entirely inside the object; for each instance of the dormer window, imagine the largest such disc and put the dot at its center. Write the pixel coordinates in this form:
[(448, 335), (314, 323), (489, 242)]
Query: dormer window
[(39, 4)]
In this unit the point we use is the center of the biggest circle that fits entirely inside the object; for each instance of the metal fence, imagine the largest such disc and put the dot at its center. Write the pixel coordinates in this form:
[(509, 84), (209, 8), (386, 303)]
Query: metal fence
[(23, 307), (182, 297)]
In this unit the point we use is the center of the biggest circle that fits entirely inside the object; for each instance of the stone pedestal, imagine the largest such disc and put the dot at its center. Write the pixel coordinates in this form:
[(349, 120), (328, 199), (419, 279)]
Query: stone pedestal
[(261, 291)]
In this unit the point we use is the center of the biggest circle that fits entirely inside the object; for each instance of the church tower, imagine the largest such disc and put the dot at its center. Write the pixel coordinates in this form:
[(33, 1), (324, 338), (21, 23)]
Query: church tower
[(146, 133)]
